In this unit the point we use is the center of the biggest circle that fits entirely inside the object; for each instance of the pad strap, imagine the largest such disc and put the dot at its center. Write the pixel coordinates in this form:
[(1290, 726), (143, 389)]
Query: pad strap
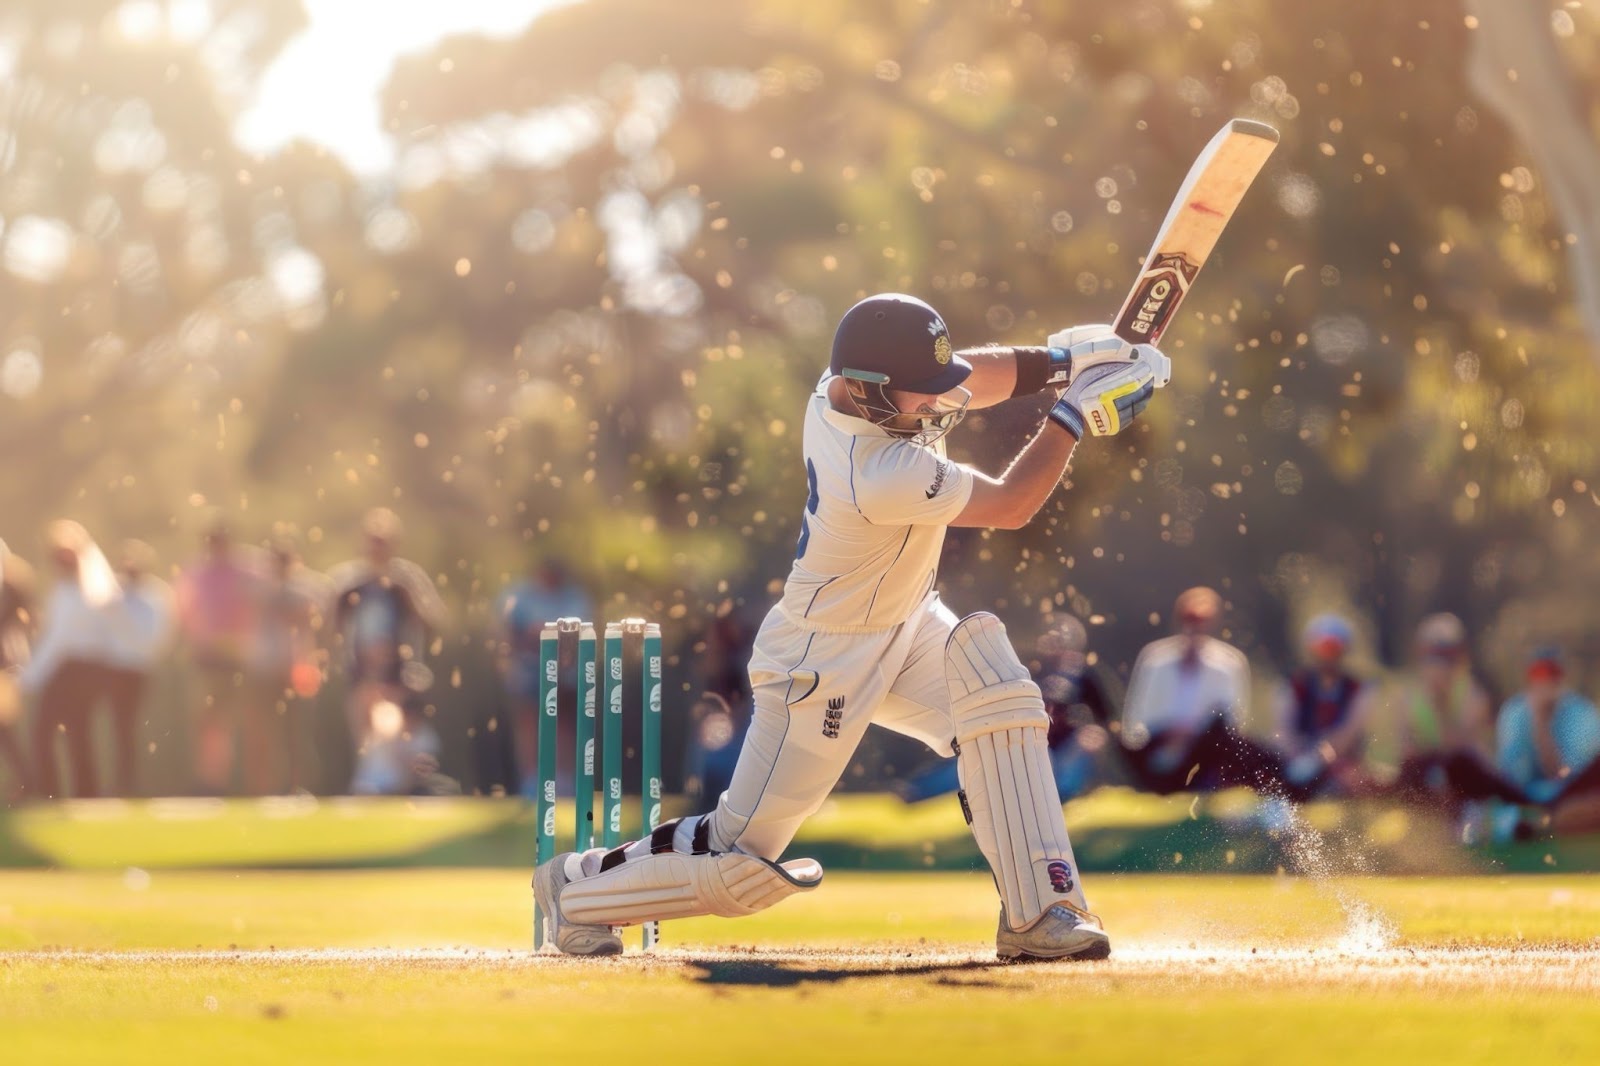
[(674, 885)]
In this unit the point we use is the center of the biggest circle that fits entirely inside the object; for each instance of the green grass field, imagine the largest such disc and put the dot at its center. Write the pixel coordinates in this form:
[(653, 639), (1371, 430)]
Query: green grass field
[(409, 965), (1113, 829)]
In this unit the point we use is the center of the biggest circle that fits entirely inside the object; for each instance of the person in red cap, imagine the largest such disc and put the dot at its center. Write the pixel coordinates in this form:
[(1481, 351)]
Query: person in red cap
[(1324, 711), (1548, 745)]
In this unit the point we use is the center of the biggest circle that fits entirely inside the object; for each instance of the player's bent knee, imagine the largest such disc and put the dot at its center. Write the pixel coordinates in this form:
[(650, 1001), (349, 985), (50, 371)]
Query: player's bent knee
[(990, 689), (674, 885)]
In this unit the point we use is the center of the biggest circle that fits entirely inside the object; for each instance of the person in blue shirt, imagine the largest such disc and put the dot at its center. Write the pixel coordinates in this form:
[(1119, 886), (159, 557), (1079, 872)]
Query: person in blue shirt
[(547, 593), (1548, 744)]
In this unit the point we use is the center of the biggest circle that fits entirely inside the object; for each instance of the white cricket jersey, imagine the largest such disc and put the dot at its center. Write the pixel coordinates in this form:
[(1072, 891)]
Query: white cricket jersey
[(874, 523)]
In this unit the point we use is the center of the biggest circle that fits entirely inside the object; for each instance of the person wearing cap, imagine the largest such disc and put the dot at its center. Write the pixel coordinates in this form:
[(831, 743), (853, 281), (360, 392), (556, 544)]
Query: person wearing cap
[(16, 627), (1187, 697), (1447, 724), (140, 627), (1548, 745), (1324, 712), (860, 636)]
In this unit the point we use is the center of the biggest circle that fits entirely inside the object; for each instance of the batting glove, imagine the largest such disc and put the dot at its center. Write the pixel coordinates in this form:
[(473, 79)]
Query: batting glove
[(1106, 397)]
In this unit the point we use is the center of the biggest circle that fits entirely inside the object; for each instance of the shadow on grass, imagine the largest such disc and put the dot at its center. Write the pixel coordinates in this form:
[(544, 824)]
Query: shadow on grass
[(790, 973)]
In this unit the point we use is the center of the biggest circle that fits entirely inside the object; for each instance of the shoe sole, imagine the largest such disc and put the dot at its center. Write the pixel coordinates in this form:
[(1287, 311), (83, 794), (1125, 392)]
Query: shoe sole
[(1092, 953)]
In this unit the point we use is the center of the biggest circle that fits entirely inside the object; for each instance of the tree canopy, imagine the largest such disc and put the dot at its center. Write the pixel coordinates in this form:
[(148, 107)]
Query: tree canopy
[(579, 317)]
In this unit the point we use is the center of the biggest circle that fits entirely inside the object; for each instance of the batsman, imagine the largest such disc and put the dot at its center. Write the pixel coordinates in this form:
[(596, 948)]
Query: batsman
[(861, 636)]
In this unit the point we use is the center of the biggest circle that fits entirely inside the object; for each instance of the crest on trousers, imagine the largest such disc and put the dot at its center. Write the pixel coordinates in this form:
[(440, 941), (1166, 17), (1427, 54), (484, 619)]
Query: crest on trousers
[(833, 718)]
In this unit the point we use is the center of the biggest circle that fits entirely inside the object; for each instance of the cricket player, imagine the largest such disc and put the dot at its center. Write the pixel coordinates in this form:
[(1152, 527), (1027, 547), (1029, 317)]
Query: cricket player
[(861, 637)]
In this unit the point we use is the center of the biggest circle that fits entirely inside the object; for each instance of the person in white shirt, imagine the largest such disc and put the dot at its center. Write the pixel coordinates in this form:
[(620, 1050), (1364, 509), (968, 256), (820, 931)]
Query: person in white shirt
[(141, 622), (861, 637), (67, 672), (1186, 700)]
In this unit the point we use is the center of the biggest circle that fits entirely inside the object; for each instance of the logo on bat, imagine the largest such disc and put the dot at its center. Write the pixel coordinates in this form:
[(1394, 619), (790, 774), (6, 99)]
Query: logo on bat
[(1161, 287)]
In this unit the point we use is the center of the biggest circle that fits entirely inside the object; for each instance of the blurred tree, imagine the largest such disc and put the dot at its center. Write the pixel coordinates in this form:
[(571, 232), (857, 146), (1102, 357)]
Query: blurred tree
[(581, 314), (1518, 69), (136, 263)]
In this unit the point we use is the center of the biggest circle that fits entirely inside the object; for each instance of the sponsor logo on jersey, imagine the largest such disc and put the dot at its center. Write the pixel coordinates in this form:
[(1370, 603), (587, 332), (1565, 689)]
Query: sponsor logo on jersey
[(1060, 876), (833, 718), (938, 479)]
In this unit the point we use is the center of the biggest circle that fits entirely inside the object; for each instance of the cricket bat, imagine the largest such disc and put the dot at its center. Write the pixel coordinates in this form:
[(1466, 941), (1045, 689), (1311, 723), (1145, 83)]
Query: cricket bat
[(1204, 204)]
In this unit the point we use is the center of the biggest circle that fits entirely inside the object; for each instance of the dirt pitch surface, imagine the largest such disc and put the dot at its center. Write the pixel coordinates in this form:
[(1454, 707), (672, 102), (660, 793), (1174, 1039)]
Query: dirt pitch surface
[(179, 967), (1566, 969)]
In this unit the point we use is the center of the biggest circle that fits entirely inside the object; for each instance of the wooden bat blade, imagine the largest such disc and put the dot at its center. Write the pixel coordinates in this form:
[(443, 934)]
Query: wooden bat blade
[(1206, 200)]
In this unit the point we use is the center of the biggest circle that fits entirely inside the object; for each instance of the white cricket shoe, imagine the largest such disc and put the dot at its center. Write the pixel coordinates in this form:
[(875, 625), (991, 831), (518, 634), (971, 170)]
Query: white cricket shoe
[(570, 938), (1059, 933)]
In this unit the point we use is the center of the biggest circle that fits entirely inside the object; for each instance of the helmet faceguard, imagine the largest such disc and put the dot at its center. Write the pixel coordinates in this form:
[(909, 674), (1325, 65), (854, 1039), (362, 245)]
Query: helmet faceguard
[(870, 393)]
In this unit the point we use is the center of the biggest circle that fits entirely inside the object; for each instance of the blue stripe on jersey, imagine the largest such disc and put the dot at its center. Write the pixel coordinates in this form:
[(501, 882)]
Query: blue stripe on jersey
[(868, 619), (853, 478)]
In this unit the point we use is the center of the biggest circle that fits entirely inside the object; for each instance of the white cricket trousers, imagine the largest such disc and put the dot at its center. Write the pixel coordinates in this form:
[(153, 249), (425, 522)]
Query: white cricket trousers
[(815, 693)]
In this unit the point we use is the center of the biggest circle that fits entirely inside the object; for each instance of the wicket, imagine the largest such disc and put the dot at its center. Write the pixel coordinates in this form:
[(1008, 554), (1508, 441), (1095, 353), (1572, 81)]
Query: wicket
[(568, 644)]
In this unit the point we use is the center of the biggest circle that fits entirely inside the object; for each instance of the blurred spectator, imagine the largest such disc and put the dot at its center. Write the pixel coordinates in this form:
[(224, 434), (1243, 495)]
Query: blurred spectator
[(16, 624), (217, 599), (66, 670), (400, 754), (724, 662), (386, 612), (140, 625), (545, 595), (716, 734), (1446, 725), (1549, 747), (1324, 712), (1075, 698), (1186, 698), (284, 665)]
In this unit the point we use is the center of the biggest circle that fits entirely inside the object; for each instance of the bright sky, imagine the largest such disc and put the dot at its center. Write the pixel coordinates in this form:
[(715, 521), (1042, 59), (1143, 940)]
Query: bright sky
[(324, 86)]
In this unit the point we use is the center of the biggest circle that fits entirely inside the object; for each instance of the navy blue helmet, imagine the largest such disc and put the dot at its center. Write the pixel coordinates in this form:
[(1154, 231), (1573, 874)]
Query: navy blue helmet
[(894, 341)]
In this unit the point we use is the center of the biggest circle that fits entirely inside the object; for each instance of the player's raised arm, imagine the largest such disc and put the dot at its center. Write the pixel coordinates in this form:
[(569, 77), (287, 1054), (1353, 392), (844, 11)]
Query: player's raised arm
[(1001, 372), (1101, 401)]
